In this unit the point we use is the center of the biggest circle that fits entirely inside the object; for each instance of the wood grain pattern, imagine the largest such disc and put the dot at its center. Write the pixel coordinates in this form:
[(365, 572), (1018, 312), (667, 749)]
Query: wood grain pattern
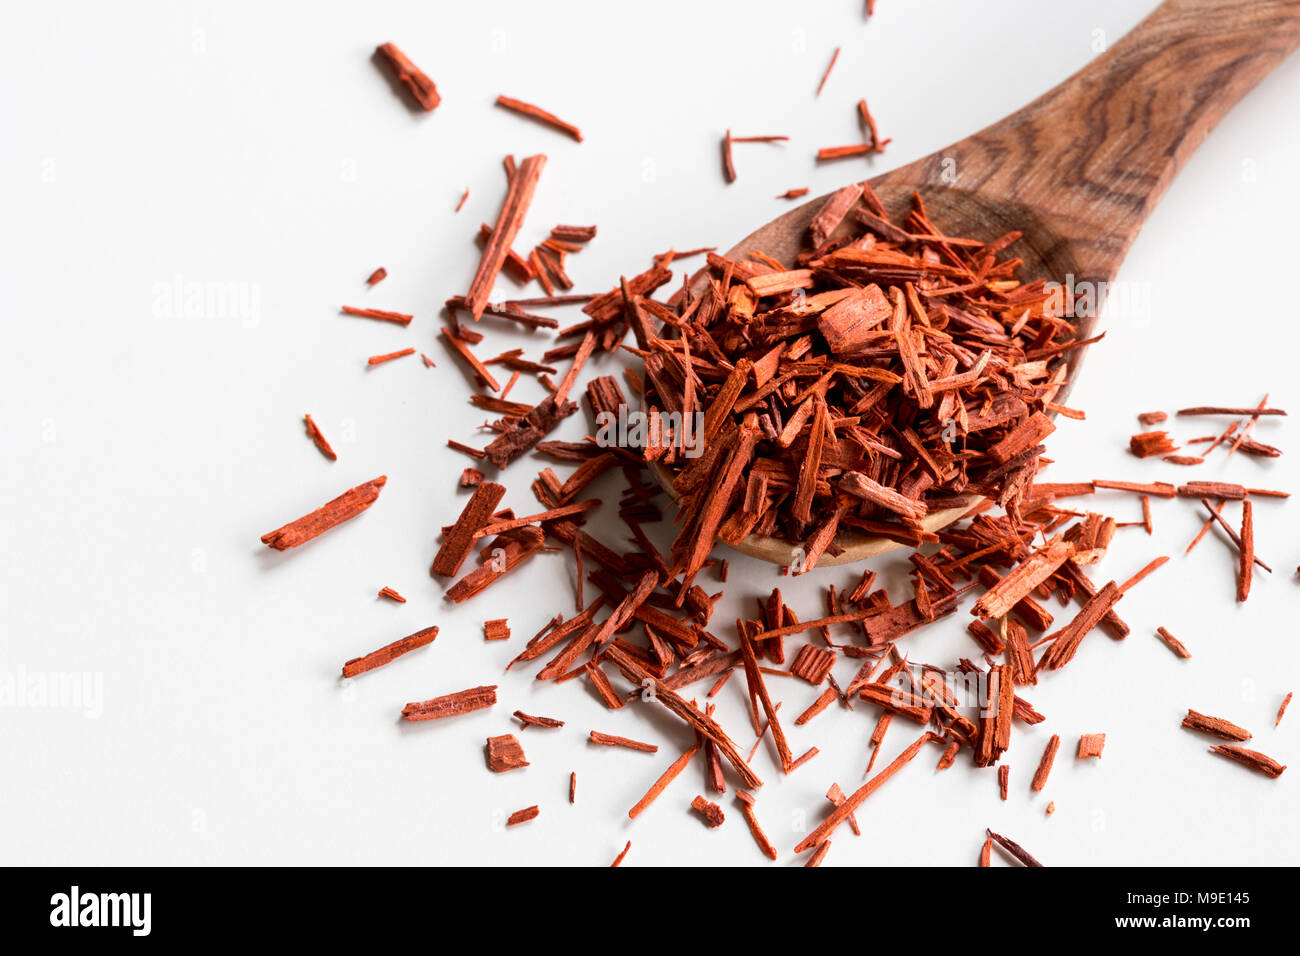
[(1080, 168)]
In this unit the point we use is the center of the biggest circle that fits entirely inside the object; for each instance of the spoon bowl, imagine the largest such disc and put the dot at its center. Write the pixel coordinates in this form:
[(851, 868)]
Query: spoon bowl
[(1077, 172)]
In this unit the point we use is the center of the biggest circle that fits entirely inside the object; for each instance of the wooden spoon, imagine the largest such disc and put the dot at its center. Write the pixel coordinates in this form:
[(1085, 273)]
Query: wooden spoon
[(1077, 171)]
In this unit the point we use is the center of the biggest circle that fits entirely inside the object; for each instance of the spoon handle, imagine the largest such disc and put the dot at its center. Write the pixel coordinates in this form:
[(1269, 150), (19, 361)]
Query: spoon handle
[(1091, 157)]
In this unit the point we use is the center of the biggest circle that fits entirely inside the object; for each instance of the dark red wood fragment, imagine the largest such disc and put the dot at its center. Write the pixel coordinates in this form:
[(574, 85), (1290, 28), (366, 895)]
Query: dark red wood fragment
[(518, 198), (314, 433), (389, 356), (459, 541), (1173, 643), (1045, 763), (359, 665), (528, 720), (347, 505), (505, 753), (711, 812), (1014, 848), (610, 740), (1091, 745), (420, 87), (452, 705), (835, 55), (397, 318), (1215, 726), (522, 816), (1252, 759), (539, 114)]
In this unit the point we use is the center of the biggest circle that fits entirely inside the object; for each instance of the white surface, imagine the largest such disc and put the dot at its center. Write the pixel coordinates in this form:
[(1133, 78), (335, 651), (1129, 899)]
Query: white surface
[(146, 451)]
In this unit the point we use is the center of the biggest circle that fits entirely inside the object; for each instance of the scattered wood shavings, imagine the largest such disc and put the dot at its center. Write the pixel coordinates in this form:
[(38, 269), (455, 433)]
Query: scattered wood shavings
[(821, 384), (840, 813)]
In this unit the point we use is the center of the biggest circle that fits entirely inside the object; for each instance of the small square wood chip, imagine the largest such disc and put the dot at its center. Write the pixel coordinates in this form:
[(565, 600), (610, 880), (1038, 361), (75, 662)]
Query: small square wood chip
[(1090, 745), (504, 753)]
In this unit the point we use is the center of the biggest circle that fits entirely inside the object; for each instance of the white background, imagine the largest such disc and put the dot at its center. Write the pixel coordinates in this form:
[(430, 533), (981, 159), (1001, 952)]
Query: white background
[(145, 450)]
